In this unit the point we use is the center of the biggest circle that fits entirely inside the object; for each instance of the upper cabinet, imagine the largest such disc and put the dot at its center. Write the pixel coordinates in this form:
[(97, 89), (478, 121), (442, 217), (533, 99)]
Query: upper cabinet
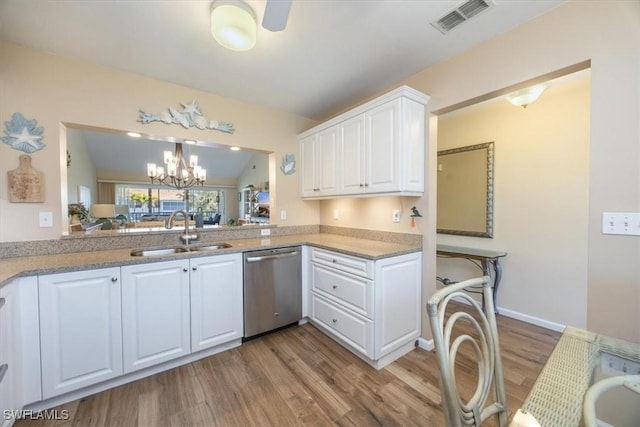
[(376, 148), (319, 171)]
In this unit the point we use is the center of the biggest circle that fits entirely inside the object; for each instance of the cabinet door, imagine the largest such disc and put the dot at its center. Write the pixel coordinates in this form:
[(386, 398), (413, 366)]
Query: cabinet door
[(351, 155), (216, 300), (308, 181), (80, 329), (327, 142), (7, 362), (397, 302), (382, 152), (155, 313)]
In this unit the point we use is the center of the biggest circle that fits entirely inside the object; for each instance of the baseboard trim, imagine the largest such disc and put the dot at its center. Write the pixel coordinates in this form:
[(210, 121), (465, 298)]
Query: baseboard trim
[(425, 344), (558, 327)]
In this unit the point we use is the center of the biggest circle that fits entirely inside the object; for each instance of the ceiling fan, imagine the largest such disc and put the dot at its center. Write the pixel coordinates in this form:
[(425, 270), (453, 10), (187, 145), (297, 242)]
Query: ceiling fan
[(233, 22)]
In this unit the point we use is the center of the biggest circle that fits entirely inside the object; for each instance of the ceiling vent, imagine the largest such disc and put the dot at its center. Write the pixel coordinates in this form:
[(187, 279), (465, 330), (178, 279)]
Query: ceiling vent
[(462, 13)]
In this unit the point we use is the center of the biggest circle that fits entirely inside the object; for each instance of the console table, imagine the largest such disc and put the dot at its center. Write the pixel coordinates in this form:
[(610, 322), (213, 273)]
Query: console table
[(488, 259)]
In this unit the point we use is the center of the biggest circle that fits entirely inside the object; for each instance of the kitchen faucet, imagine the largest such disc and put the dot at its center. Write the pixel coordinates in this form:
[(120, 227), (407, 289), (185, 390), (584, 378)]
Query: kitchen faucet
[(186, 237)]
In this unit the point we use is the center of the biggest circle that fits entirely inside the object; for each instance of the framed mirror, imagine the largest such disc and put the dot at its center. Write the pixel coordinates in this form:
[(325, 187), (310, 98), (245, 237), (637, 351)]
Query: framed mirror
[(465, 191)]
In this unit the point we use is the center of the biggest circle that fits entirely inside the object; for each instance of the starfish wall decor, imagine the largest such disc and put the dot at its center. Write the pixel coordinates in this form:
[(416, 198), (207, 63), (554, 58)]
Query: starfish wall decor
[(189, 116), (22, 134)]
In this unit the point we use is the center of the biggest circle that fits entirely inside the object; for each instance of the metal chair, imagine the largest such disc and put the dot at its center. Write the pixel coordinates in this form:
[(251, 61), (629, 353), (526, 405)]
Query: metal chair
[(489, 399)]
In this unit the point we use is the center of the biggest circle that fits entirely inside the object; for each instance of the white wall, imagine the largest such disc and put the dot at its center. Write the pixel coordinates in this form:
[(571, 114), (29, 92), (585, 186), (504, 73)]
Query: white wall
[(541, 199)]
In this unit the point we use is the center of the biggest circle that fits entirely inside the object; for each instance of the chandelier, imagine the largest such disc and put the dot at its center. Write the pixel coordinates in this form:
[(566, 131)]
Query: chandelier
[(178, 173)]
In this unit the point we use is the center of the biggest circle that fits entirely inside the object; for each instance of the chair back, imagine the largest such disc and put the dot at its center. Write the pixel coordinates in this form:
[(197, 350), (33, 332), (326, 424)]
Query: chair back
[(489, 399)]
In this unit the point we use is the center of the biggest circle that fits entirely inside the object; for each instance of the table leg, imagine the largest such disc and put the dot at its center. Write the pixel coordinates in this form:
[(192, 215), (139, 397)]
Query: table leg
[(497, 269)]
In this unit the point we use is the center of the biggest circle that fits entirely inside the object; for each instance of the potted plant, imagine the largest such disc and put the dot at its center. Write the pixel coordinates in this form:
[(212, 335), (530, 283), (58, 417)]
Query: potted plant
[(78, 213)]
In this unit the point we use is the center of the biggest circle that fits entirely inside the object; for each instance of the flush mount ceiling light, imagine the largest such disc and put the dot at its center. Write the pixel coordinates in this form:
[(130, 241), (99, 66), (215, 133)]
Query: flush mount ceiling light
[(233, 24), (524, 97)]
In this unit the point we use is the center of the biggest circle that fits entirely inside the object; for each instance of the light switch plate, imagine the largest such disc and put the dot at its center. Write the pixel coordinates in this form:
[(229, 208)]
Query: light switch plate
[(396, 215), (283, 215), (622, 223), (265, 232)]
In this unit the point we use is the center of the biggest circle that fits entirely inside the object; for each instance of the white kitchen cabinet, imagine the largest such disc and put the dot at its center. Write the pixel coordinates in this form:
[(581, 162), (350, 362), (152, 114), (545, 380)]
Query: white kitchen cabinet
[(318, 155), (80, 329), (155, 313), (216, 300), (371, 307), (8, 363), (380, 148)]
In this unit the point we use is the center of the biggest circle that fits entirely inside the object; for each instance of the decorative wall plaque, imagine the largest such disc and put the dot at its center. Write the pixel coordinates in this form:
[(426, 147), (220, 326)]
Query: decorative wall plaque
[(26, 185), (189, 116), (22, 134)]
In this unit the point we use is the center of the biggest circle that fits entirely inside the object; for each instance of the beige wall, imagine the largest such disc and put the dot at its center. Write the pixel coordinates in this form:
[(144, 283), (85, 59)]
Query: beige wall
[(54, 90), (608, 34), (541, 200)]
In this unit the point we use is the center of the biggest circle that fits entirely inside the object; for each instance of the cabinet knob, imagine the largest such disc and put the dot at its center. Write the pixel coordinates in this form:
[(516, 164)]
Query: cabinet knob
[(114, 279), (334, 260), (361, 185), (366, 185), (276, 314), (194, 268), (335, 320), (185, 269), (335, 286)]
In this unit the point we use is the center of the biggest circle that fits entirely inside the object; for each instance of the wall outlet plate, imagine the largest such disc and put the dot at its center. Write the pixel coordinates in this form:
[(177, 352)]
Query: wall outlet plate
[(396, 215), (46, 219)]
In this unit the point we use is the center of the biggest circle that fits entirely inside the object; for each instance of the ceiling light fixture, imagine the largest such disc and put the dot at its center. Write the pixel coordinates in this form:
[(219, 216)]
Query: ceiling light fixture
[(177, 174), (233, 24), (524, 97)]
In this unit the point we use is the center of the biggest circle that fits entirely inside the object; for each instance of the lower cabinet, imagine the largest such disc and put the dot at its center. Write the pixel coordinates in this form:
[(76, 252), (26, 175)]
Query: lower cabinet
[(371, 307), (8, 361), (155, 313), (80, 329), (216, 300), (97, 325)]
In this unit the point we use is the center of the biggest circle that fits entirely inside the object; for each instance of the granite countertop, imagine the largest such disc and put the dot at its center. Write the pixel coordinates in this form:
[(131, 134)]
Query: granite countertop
[(11, 268)]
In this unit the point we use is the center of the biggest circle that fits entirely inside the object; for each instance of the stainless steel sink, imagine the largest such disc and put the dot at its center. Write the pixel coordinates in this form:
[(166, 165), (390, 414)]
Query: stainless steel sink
[(212, 247), (179, 250), (158, 252)]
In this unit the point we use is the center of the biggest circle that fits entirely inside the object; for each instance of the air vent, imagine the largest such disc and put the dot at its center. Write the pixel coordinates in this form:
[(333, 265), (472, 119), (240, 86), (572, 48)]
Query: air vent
[(462, 13)]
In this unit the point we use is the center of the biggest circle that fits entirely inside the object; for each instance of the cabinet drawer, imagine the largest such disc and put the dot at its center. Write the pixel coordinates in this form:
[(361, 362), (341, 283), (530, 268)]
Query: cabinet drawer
[(354, 330), (355, 293), (342, 262)]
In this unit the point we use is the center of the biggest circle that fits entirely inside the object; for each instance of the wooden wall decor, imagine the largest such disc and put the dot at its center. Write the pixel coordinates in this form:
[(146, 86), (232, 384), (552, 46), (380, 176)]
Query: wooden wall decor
[(26, 185)]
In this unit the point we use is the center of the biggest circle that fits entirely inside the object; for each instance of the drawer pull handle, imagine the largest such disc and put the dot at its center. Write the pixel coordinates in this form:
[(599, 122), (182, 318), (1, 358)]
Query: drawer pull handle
[(335, 286), (114, 279), (3, 301), (335, 320), (3, 370)]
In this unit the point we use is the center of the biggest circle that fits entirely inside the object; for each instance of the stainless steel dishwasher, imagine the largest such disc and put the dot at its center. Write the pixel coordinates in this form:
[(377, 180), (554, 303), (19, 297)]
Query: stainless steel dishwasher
[(272, 289)]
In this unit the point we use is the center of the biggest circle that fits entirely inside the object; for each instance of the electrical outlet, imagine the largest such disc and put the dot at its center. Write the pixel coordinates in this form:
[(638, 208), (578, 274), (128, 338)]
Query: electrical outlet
[(396, 215), (283, 215), (265, 232), (46, 219)]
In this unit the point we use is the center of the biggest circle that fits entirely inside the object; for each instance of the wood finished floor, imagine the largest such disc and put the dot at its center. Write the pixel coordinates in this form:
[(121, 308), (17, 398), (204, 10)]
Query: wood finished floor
[(300, 377)]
